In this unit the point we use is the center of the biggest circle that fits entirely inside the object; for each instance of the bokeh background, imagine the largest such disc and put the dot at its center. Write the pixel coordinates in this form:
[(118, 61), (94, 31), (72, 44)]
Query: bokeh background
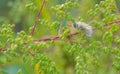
[(15, 12)]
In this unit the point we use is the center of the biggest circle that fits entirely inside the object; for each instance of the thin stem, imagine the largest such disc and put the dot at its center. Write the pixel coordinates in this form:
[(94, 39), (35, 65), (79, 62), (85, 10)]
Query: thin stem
[(55, 38), (37, 18), (58, 37), (114, 22), (70, 35)]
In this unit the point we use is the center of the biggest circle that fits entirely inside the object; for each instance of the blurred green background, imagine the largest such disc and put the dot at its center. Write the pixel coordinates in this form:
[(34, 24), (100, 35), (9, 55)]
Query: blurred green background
[(15, 12)]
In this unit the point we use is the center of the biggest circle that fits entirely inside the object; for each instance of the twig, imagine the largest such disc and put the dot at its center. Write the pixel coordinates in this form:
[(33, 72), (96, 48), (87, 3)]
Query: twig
[(58, 37), (70, 35), (37, 18), (4, 49), (55, 38), (114, 22)]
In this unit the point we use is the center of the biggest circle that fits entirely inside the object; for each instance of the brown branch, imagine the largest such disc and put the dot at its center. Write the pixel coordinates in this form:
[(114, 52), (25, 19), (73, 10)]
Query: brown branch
[(70, 35), (55, 38), (4, 49), (58, 37), (114, 22), (37, 18)]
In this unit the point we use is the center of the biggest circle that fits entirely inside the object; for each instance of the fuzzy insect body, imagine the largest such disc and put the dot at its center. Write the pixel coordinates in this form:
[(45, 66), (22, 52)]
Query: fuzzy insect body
[(84, 27)]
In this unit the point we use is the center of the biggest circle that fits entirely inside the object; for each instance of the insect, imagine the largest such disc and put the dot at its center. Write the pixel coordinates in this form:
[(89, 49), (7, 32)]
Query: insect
[(86, 28)]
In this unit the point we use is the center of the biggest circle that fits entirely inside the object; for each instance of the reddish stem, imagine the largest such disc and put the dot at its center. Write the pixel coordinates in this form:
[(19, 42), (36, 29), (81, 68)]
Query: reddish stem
[(70, 35), (55, 38), (116, 22), (37, 18)]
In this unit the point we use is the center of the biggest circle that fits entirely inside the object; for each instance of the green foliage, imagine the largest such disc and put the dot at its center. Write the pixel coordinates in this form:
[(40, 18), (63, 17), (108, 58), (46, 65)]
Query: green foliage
[(79, 54)]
